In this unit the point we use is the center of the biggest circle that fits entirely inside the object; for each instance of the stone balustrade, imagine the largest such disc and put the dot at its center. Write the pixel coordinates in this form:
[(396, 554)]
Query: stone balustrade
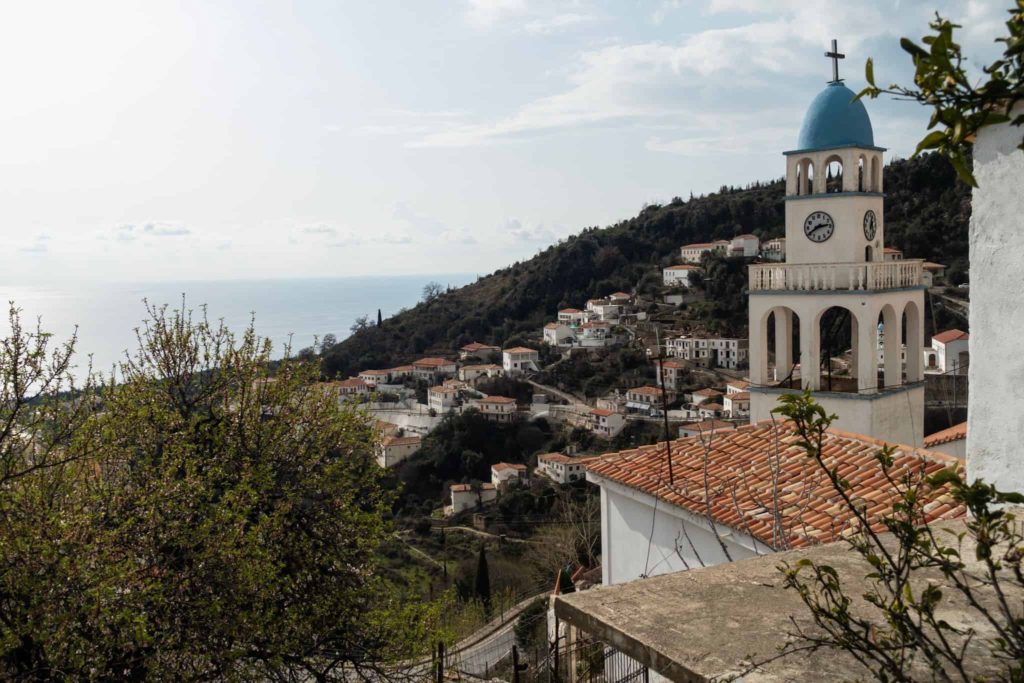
[(868, 276)]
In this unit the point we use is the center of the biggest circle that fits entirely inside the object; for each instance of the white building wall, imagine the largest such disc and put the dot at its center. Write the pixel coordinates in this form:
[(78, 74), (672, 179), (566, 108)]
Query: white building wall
[(995, 428), (626, 525)]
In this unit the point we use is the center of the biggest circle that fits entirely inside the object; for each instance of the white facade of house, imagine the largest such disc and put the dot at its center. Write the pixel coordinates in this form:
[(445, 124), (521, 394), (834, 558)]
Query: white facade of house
[(747, 246), (629, 518), (375, 378), (674, 372), (677, 276), (949, 353), (774, 249), (606, 423), (504, 473), (519, 360), (561, 468), (442, 399), (351, 387), (558, 334), (570, 316), (469, 373), (433, 369), (736, 404), (496, 408), (723, 352), (394, 449), (995, 430), (692, 253), (463, 497)]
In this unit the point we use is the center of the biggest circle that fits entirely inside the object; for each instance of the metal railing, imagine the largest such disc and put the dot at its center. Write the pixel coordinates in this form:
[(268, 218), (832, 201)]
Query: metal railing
[(868, 276)]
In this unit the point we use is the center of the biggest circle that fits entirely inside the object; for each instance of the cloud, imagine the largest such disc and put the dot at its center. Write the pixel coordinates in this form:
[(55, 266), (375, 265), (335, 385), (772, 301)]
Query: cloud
[(558, 23), (486, 13), (129, 232), (39, 245), (528, 233), (331, 236), (664, 84)]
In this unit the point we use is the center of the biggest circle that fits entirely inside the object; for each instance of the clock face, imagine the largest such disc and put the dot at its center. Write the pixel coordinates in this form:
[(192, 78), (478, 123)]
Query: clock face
[(819, 226), (870, 225)]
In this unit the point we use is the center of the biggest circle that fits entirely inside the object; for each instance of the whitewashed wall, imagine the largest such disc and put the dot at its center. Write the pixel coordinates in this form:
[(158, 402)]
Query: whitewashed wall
[(629, 518), (995, 423)]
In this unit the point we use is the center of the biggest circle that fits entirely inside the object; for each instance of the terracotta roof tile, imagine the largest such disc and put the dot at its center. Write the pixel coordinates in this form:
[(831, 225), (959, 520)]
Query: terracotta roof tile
[(520, 349), (502, 466), (954, 433), (431, 362), (950, 335), (741, 466)]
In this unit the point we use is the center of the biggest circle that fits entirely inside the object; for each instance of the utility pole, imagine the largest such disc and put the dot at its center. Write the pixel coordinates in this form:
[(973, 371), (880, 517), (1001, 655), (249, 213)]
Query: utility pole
[(664, 402)]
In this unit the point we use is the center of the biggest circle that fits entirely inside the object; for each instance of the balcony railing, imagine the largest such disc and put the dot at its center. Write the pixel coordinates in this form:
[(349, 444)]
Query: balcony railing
[(870, 276)]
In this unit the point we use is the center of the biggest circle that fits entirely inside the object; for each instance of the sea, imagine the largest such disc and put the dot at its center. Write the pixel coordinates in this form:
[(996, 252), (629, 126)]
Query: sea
[(287, 311)]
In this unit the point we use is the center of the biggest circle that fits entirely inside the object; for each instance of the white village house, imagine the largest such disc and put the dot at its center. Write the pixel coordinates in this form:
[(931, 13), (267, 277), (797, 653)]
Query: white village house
[(949, 353), (501, 409), (519, 360), (678, 276), (477, 350), (717, 352), (392, 450), (463, 497), (470, 373), (504, 473), (561, 468), (443, 399)]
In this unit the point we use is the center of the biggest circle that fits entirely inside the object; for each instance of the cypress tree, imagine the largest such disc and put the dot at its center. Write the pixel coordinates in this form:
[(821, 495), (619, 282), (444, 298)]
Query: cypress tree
[(482, 587), (379, 319)]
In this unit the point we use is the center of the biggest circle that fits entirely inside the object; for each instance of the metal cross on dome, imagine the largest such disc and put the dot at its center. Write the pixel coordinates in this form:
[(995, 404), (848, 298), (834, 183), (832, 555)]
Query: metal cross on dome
[(835, 56)]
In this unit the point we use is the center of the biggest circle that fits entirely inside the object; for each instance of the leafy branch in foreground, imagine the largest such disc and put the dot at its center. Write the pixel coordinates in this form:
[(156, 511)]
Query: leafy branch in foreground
[(901, 631), (199, 520), (960, 107)]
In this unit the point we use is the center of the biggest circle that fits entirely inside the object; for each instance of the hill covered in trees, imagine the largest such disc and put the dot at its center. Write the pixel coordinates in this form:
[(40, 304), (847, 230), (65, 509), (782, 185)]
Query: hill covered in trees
[(926, 215)]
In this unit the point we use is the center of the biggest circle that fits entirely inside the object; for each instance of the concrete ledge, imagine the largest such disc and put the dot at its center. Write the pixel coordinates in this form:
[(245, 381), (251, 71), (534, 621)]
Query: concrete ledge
[(842, 395), (819, 292)]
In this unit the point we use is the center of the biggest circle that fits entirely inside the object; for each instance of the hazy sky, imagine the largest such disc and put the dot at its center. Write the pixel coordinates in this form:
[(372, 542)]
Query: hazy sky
[(211, 139)]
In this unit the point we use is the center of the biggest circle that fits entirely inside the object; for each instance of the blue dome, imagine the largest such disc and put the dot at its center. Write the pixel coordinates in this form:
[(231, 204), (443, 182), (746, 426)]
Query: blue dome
[(835, 120)]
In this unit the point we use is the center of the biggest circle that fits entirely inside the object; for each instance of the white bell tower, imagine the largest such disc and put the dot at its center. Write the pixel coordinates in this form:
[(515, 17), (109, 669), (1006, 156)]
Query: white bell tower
[(835, 261)]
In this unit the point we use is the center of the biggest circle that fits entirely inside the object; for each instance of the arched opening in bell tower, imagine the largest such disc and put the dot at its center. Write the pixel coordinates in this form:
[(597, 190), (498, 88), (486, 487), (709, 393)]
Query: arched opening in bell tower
[(833, 174), (782, 346), (837, 350), (875, 184), (862, 173), (869, 254), (805, 177)]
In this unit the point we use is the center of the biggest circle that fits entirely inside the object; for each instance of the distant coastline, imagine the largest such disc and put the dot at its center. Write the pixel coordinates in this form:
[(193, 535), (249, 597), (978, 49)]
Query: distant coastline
[(298, 310)]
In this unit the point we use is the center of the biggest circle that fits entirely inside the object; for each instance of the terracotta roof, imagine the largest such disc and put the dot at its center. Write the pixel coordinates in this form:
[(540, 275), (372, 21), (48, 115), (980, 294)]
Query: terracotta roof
[(708, 426), (597, 302), (570, 310), (553, 326), (401, 440), (707, 392), (495, 399), (457, 488), (738, 383), (596, 323), (477, 346), (683, 267), (520, 349), (710, 406), (892, 250), (443, 390), (646, 390), (351, 382), (553, 457), (954, 433), (484, 366), (738, 396), (746, 237), (950, 335), (601, 412), (501, 466), (619, 295), (930, 265), (673, 364), (741, 466), (698, 245), (402, 368), (376, 373), (431, 362)]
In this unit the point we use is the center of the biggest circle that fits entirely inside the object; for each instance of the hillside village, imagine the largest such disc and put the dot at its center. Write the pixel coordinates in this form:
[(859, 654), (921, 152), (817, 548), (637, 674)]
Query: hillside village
[(693, 382)]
